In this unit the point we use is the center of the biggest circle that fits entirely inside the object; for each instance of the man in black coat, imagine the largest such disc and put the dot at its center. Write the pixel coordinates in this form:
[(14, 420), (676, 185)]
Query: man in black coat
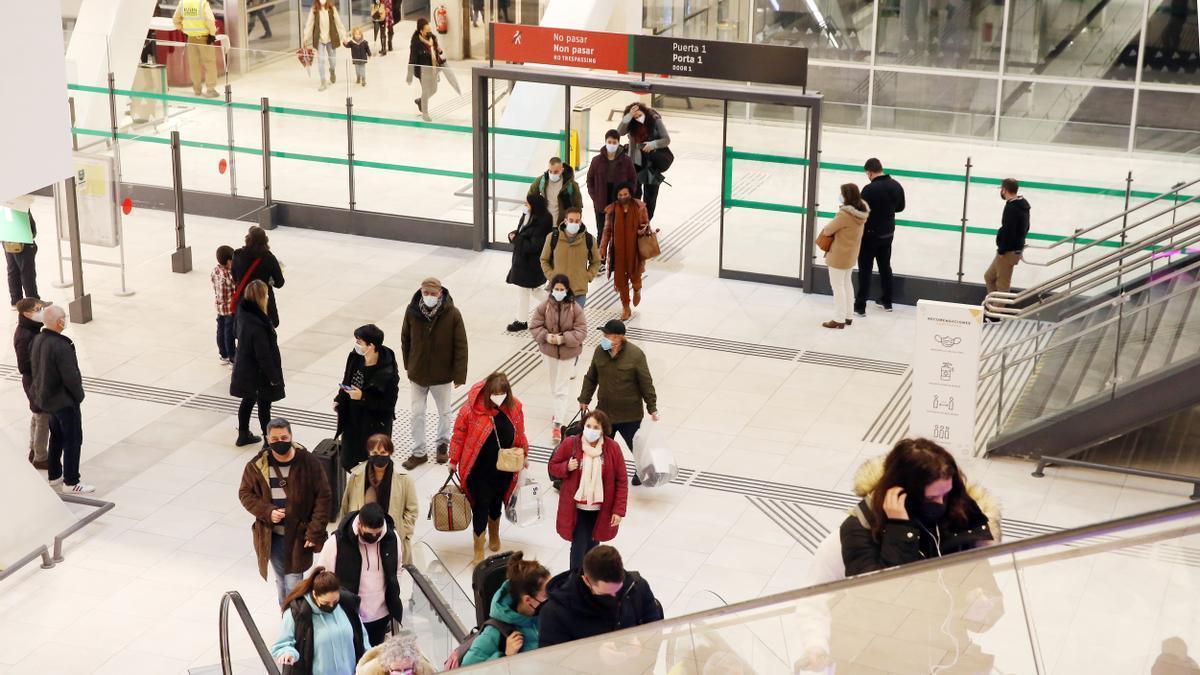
[(885, 196), (58, 389), (29, 311), (366, 402), (601, 599), (1010, 239), (364, 553)]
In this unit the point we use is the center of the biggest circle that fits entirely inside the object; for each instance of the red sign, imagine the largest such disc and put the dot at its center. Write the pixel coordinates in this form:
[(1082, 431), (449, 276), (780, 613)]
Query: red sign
[(560, 47)]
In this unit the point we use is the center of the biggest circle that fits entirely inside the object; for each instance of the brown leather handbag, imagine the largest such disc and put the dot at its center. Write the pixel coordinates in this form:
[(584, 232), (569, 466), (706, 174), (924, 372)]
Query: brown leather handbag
[(825, 242)]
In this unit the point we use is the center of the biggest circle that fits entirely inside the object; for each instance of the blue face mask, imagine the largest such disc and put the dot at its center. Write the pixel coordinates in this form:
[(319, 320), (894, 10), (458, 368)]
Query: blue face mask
[(606, 344)]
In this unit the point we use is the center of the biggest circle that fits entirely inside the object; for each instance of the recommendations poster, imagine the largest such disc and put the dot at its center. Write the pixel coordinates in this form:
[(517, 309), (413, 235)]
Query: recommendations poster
[(946, 374)]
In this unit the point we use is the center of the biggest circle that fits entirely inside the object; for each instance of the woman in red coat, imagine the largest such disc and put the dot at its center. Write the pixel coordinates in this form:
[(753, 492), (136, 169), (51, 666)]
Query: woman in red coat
[(592, 499), (489, 421)]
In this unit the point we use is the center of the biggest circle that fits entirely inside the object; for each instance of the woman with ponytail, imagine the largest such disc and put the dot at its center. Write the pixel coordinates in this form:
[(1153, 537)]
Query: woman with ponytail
[(321, 633), (514, 608)]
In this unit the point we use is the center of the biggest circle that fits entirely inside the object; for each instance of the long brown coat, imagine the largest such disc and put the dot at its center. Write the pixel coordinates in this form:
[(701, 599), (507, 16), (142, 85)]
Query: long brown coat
[(308, 509), (619, 246)]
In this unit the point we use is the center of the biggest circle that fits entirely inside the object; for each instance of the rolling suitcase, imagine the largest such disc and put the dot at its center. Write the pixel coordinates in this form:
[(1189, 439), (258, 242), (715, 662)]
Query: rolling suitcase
[(487, 578), (329, 451)]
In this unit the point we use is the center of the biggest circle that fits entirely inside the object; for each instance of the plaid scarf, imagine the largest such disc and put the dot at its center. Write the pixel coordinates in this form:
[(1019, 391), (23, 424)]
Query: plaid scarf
[(431, 312)]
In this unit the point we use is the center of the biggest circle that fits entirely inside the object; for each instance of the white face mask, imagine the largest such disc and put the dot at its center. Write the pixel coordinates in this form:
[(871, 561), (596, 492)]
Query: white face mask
[(359, 349), (430, 300), (498, 399), (573, 227), (558, 295), (38, 317), (555, 177), (591, 435), (611, 147), (525, 209), (639, 117)]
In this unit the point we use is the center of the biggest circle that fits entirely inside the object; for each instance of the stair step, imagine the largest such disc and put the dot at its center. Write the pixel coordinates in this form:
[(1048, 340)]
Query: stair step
[(1048, 372), (1164, 323), (1188, 341)]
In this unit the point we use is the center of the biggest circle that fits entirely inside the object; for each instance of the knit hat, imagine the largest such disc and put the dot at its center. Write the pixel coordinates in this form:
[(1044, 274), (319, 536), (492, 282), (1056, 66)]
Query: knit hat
[(431, 284)]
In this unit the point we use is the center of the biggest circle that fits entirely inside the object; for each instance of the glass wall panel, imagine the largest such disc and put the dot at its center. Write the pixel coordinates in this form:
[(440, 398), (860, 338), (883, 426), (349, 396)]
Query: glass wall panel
[(1043, 113), (1172, 43), (831, 29), (932, 104), (953, 34), (274, 25), (1167, 122), (845, 91), (1092, 39)]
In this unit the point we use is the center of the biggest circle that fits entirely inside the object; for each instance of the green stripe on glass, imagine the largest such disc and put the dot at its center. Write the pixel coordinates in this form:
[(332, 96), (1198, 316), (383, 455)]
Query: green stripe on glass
[(527, 133), (370, 119)]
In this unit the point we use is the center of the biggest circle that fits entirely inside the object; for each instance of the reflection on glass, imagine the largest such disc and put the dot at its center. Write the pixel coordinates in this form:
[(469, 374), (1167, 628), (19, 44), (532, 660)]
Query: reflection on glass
[(1172, 43), (940, 33), (845, 94), (1094, 39), (957, 106), (1041, 112), (831, 29), (1167, 122)]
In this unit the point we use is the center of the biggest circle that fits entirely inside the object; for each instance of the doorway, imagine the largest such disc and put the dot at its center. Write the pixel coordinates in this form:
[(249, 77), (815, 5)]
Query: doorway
[(762, 172)]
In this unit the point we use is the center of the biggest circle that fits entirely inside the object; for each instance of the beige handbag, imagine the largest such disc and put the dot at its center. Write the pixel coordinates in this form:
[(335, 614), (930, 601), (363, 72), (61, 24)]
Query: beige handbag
[(508, 459), (449, 509)]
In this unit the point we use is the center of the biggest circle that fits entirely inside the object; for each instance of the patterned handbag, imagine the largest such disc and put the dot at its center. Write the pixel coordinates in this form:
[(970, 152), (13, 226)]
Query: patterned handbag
[(449, 509)]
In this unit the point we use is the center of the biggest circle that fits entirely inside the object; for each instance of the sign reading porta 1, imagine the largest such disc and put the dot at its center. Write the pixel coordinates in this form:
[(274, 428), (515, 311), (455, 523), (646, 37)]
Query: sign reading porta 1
[(945, 373), (718, 60), (560, 47)]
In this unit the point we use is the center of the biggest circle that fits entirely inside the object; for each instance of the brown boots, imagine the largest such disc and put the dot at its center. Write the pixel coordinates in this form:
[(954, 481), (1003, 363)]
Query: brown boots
[(478, 557), (626, 312), (494, 534)]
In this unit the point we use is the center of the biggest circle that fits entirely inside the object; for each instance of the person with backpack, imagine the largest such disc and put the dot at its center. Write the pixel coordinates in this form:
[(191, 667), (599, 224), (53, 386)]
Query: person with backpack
[(258, 371), (512, 625), (364, 552), (321, 633), (558, 187), (648, 141), (624, 221), (559, 326), (595, 488), (608, 169), (571, 250), (601, 598), (527, 241), (254, 261)]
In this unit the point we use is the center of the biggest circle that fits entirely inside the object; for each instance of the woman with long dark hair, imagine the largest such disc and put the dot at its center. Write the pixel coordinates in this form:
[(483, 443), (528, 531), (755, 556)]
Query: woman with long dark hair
[(380, 480), (491, 420), (255, 261), (648, 139), (423, 55), (845, 232), (321, 633), (916, 505), (527, 242), (559, 326), (258, 370)]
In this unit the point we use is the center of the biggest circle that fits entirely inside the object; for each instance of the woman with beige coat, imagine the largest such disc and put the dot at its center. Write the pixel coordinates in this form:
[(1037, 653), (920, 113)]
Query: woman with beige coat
[(846, 229), (559, 327), (383, 481)]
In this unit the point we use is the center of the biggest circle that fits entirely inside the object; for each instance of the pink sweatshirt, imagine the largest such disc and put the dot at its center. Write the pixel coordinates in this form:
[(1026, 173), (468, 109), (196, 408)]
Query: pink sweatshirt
[(372, 605)]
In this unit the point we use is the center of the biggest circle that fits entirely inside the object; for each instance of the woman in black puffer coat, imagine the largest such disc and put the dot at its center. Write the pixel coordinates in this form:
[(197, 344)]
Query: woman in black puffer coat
[(258, 369), (527, 242)]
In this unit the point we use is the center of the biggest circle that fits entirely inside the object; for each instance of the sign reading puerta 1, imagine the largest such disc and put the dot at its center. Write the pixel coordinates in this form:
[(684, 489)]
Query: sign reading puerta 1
[(770, 64)]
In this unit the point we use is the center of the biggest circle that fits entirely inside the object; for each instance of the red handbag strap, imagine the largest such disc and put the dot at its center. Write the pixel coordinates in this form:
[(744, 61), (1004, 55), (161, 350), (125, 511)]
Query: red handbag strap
[(237, 292)]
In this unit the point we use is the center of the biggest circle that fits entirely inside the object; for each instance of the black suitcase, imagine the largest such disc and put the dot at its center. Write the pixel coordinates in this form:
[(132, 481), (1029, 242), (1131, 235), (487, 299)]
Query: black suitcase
[(487, 578), (329, 451), (572, 428)]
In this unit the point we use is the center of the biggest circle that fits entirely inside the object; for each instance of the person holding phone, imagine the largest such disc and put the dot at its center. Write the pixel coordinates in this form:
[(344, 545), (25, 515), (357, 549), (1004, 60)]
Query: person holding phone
[(366, 404), (595, 487)]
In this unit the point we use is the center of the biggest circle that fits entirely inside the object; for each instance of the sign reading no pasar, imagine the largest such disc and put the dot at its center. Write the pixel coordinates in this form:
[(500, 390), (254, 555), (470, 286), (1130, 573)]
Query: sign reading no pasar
[(560, 47)]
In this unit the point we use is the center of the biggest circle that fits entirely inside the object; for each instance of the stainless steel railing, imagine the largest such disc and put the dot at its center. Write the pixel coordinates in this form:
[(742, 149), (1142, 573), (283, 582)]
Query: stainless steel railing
[(234, 598)]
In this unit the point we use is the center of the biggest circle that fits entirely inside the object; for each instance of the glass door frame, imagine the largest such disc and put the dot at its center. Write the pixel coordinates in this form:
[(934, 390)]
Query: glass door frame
[(482, 76)]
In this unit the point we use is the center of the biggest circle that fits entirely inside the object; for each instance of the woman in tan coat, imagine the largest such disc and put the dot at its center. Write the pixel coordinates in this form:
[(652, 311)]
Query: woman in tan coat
[(386, 483), (624, 221), (846, 228)]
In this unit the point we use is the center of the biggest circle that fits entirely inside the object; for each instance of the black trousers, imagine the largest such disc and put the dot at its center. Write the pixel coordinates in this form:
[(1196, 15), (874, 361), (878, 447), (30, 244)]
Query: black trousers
[(377, 630), (22, 273), (487, 496), (874, 252), (599, 230), (244, 409), (647, 193), (581, 537)]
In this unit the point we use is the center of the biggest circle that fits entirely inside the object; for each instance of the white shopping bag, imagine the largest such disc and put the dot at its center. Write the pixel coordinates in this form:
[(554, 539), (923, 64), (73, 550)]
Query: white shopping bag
[(524, 507), (653, 462)]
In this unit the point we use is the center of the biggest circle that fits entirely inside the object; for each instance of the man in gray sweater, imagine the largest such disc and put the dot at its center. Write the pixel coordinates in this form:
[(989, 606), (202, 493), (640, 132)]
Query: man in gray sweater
[(58, 389)]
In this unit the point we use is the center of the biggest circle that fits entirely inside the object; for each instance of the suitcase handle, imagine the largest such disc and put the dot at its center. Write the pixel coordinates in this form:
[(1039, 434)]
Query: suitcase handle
[(429, 514)]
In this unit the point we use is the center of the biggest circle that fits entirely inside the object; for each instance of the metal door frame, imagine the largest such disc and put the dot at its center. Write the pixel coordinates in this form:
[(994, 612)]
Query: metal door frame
[(721, 91)]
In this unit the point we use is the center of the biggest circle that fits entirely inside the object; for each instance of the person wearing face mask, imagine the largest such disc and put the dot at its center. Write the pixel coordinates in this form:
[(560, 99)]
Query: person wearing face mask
[(527, 242), (366, 401), (364, 553), (423, 55), (594, 491), (286, 490), (608, 169), (601, 598), (433, 342), (557, 185), (916, 505), (57, 388), (1010, 238), (490, 420), (257, 376), (845, 233), (621, 375), (571, 250), (321, 633), (515, 605), (29, 324), (380, 481), (325, 32), (624, 221), (648, 140), (559, 327)]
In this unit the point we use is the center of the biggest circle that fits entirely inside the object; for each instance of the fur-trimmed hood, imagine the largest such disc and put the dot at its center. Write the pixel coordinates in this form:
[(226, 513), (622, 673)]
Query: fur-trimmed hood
[(871, 471), (861, 215)]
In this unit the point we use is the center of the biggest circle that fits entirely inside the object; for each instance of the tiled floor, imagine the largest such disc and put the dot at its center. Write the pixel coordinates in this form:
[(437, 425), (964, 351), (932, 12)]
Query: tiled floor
[(140, 587)]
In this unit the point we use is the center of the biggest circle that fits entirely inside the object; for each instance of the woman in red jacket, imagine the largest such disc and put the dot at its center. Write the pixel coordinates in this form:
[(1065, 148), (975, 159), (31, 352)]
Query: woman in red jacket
[(490, 420), (592, 499)]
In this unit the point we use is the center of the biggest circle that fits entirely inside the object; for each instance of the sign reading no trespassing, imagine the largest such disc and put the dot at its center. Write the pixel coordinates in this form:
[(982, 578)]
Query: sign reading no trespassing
[(560, 47)]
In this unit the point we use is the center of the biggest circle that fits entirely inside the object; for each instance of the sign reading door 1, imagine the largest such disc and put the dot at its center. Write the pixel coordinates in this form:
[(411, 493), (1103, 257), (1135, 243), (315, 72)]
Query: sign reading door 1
[(945, 374)]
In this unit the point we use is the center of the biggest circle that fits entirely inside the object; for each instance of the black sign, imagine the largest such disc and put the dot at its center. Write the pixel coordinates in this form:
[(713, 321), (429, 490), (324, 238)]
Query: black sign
[(771, 64)]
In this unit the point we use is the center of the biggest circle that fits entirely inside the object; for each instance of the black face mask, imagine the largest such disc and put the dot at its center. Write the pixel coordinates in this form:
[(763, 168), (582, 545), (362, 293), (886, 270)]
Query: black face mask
[(931, 513), (327, 608), (379, 461), (370, 537), (281, 448)]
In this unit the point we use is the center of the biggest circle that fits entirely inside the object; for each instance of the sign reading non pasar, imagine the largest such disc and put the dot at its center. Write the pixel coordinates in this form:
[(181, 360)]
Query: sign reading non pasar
[(560, 47), (945, 374)]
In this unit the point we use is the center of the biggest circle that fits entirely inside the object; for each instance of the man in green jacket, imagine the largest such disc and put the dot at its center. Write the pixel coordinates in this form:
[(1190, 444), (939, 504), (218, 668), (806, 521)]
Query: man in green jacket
[(559, 188), (434, 344), (619, 370)]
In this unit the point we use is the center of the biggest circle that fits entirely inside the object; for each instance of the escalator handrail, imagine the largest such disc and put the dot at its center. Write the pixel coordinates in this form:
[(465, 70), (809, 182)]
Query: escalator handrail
[(1002, 550), (439, 604), (235, 598)]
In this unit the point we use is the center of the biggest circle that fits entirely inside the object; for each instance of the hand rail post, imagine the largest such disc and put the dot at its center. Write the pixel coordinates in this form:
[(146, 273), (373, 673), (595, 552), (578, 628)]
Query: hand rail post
[(350, 147), (265, 217), (229, 130), (181, 258), (962, 236), (71, 109)]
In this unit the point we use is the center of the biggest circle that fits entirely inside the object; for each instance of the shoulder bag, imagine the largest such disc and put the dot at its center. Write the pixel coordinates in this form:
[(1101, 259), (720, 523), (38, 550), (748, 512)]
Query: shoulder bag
[(508, 459), (825, 242), (237, 292)]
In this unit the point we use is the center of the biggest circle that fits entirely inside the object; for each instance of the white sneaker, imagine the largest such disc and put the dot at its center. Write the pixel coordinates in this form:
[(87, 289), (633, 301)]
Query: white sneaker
[(78, 489), (56, 482)]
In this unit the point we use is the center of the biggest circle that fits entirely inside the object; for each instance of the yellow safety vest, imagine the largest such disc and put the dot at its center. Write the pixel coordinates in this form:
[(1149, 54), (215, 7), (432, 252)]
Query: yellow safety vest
[(193, 15)]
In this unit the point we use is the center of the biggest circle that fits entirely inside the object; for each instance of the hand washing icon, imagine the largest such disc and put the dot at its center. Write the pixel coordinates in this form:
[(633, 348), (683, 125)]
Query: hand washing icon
[(947, 341)]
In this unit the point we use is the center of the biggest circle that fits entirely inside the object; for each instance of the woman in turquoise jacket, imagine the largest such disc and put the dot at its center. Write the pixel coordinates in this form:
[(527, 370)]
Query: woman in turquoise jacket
[(321, 633), (516, 603)]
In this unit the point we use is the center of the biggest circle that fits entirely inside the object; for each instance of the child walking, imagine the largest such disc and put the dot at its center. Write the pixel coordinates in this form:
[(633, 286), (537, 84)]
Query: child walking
[(360, 51), (222, 282)]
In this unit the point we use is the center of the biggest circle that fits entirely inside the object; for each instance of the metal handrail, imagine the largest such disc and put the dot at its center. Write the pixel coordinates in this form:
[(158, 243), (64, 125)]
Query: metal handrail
[(251, 628), (102, 507), (998, 551), (439, 604)]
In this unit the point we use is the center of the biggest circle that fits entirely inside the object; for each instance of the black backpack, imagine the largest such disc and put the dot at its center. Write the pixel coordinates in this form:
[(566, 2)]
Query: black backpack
[(588, 239), (572, 428), (487, 578)]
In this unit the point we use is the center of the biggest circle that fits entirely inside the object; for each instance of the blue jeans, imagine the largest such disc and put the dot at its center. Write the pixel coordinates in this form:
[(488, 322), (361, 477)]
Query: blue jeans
[(284, 583), (66, 443), (581, 300), (326, 60), (226, 346)]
